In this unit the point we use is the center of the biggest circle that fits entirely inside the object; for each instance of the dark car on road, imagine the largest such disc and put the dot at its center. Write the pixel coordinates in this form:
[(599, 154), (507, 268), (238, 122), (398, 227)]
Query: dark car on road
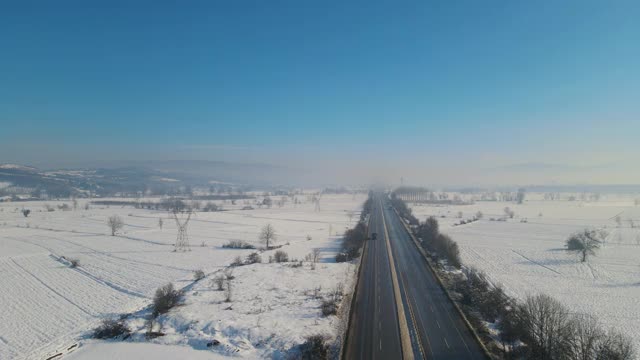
[(374, 236)]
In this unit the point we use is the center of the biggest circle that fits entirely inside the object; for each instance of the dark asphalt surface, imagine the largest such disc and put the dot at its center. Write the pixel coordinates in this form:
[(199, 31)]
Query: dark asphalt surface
[(436, 329), (374, 331)]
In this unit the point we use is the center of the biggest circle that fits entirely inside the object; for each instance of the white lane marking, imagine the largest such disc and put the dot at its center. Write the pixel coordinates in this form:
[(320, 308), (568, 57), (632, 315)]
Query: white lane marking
[(380, 344), (431, 306), (446, 343), (437, 323)]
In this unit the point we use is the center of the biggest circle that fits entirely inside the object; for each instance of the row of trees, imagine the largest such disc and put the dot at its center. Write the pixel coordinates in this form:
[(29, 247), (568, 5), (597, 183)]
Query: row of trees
[(436, 242)]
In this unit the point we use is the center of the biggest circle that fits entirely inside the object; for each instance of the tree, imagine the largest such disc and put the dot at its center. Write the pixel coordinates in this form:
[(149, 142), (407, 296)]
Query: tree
[(585, 242), (26, 212), (268, 235), (509, 213), (546, 327), (115, 224), (520, 196), (587, 337), (479, 215), (160, 223)]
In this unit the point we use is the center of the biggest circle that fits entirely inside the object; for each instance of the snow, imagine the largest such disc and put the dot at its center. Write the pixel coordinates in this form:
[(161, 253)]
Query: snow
[(51, 306), (141, 351), (530, 257)]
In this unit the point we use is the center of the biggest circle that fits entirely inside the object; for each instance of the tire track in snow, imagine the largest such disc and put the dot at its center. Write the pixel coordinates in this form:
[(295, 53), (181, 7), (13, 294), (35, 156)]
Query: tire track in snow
[(537, 263), (50, 288)]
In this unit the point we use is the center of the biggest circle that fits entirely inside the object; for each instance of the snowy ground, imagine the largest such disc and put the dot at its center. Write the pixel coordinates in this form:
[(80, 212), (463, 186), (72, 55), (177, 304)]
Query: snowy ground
[(47, 306), (529, 257)]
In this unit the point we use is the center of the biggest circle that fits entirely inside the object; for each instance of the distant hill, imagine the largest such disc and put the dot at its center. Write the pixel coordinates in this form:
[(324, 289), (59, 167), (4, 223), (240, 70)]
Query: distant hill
[(133, 177)]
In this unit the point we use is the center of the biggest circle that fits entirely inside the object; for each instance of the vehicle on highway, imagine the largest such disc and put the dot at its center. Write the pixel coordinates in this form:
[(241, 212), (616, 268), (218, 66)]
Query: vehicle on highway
[(374, 236)]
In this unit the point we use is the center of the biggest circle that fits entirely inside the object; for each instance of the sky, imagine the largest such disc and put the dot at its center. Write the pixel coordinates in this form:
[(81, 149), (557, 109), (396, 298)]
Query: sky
[(439, 92)]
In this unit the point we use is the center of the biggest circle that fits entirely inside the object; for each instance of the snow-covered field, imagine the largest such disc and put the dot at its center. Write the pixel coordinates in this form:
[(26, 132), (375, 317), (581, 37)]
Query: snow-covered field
[(529, 257), (48, 306)]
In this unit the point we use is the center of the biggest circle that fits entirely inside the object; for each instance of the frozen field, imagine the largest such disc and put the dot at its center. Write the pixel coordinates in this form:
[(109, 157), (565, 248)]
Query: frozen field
[(47, 305), (529, 257)]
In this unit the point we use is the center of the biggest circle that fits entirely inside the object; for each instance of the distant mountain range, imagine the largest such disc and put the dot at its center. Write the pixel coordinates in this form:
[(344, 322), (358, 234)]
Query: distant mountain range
[(133, 177)]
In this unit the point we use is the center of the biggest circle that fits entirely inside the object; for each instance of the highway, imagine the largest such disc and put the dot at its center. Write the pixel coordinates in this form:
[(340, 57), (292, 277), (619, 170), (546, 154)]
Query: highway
[(423, 324)]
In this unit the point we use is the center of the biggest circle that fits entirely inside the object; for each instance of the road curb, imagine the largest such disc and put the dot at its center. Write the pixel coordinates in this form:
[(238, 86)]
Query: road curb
[(446, 291)]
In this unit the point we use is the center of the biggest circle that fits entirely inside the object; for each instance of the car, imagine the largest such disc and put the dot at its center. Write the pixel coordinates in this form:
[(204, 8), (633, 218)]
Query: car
[(374, 236)]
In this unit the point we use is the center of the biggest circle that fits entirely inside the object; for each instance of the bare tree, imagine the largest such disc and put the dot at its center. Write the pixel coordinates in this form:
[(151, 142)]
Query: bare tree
[(546, 327), (618, 220), (74, 201), (228, 292), (585, 242), (586, 339), (115, 223), (218, 281), (268, 235), (26, 212), (509, 213), (520, 195), (315, 255), (160, 223), (479, 215)]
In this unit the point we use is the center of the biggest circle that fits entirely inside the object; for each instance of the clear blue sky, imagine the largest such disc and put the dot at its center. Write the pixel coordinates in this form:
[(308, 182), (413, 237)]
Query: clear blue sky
[(241, 79)]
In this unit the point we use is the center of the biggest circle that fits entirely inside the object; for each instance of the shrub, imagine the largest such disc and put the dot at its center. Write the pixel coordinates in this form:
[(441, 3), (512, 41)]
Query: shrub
[(238, 244), (165, 298), (280, 256), (198, 275), (341, 257), (237, 261), (315, 347), (218, 281), (110, 328), (329, 307), (253, 258)]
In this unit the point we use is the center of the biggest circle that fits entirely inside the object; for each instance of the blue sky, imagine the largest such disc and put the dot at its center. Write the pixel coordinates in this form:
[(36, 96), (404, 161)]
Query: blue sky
[(449, 82)]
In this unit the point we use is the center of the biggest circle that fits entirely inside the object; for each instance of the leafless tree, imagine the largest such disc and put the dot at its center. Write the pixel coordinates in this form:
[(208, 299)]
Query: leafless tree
[(520, 195), (228, 291), (618, 220), (115, 224), (616, 346), (74, 201), (160, 223), (218, 281), (26, 212), (268, 235), (546, 327), (315, 255), (479, 215), (587, 336), (509, 213), (585, 242)]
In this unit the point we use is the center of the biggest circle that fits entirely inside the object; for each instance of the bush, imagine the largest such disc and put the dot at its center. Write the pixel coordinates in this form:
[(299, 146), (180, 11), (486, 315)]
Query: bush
[(315, 347), (238, 244), (329, 307), (110, 328), (280, 256), (73, 262), (237, 261), (165, 298), (253, 258), (198, 275), (218, 281), (341, 257)]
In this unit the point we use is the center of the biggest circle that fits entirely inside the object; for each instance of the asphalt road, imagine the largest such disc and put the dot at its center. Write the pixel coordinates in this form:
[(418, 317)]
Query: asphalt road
[(435, 329), (374, 332)]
